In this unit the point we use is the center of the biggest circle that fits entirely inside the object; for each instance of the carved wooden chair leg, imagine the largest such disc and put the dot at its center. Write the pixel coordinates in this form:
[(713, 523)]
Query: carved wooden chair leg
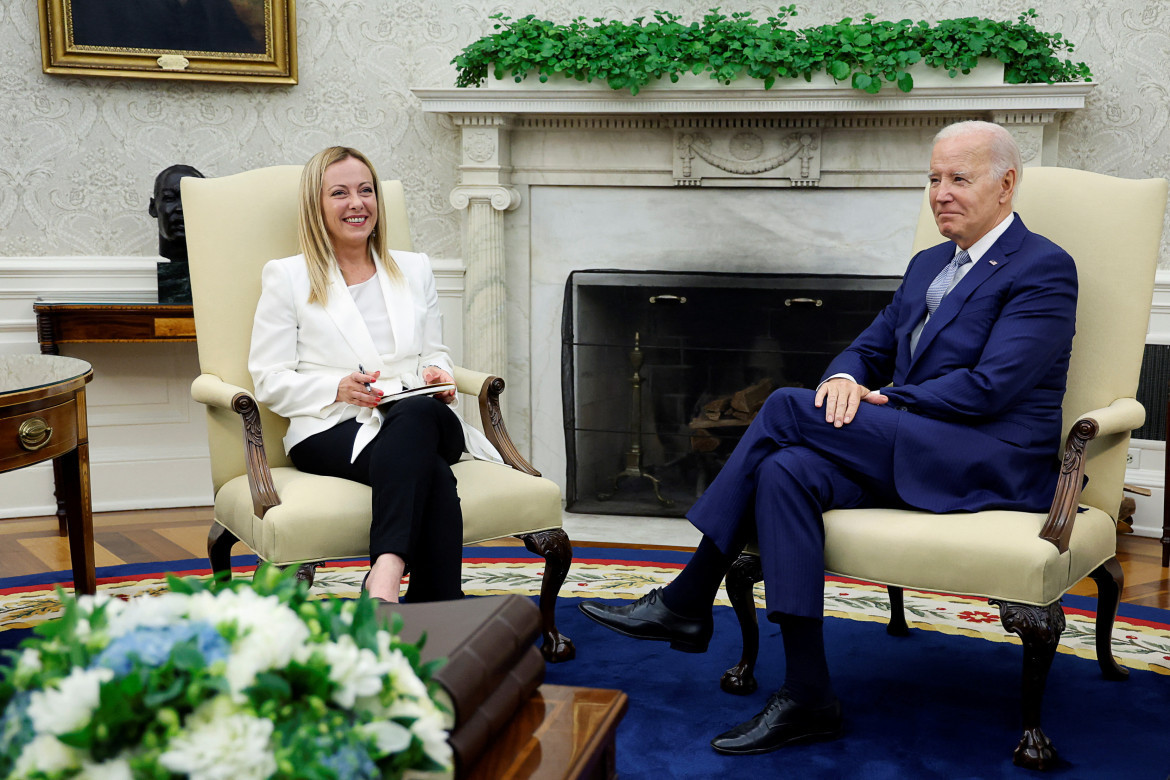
[(307, 572), (219, 551), (1110, 580), (556, 549), (897, 625), (740, 581), (1039, 628)]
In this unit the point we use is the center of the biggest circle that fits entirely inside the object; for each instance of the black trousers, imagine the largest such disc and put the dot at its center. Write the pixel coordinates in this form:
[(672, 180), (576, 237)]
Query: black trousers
[(416, 513)]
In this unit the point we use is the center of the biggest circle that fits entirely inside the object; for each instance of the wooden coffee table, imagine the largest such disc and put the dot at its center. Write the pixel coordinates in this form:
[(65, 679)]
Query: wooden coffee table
[(560, 732)]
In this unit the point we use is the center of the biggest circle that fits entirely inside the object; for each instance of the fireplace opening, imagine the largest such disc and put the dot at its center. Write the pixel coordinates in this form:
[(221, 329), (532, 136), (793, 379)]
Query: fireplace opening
[(662, 372)]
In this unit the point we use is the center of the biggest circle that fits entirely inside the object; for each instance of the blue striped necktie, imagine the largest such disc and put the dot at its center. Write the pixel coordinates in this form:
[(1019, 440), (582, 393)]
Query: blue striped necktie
[(938, 288)]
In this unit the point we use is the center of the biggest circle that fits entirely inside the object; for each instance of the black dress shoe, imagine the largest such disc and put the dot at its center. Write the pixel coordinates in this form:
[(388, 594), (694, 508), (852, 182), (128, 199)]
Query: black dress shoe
[(783, 721), (649, 618)]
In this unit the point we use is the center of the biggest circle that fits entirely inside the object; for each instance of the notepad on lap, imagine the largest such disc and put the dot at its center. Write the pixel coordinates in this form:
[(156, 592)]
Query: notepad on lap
[(441, 387)]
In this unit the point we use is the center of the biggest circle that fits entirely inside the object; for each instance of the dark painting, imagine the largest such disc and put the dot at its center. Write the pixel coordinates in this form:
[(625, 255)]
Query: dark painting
[(227, 26)]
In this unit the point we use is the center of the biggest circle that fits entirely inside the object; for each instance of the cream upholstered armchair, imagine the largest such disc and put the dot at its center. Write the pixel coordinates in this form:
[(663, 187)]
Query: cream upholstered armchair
[(235, 224), (1023, 563)]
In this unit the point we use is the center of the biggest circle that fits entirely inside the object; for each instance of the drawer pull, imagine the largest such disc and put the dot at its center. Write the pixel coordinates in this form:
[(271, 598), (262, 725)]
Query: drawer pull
[(804, 301), (668, 298), (34, 433)]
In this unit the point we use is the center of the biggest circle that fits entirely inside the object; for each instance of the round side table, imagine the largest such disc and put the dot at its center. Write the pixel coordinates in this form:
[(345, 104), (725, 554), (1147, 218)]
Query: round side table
[(42, 417)]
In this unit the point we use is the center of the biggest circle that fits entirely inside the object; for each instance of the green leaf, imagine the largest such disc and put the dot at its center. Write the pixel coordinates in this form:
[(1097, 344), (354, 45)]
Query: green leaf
[(839, 70), (157, 699), (905, 82)]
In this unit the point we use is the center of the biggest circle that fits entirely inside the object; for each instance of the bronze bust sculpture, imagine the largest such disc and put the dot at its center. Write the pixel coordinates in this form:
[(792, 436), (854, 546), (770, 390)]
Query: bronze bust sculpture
[(174, 282)]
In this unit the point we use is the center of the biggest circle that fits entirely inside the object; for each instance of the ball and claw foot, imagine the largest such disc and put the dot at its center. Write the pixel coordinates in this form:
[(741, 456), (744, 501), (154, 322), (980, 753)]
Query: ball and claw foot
[(738, 680), (1035, 751), (557, 648)]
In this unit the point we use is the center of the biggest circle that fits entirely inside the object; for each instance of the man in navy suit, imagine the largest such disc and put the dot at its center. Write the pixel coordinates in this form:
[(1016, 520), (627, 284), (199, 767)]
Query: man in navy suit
[(949, 401)]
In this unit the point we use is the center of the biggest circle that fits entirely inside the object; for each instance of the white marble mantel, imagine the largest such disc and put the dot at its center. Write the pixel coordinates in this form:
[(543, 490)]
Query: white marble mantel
[(558, 178), (546, 100)]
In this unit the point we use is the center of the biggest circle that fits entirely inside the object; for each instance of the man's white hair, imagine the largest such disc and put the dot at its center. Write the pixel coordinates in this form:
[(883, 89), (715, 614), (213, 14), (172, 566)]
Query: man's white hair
[(1005, 154)]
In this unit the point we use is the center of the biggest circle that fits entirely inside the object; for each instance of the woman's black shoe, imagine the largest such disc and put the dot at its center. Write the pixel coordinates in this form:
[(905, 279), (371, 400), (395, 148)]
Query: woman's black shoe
[(649, 618)]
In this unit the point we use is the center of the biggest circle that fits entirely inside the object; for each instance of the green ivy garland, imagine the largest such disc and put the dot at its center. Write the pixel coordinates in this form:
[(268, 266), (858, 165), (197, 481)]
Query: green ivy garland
[(865, 53)]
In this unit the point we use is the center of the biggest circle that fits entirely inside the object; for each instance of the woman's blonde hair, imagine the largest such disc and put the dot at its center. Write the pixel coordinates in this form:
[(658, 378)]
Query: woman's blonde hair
[(314, 238)]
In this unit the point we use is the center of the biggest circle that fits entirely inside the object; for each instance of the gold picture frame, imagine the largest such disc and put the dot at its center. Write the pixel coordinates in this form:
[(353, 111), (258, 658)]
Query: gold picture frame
[(203, 40)]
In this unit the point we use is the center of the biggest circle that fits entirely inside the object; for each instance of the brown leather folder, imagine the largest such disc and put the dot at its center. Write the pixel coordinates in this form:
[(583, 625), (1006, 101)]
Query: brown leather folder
[(493, 664)]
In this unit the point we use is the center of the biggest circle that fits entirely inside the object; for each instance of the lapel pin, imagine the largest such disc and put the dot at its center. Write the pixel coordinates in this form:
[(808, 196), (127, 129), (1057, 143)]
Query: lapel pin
[(993, 262)]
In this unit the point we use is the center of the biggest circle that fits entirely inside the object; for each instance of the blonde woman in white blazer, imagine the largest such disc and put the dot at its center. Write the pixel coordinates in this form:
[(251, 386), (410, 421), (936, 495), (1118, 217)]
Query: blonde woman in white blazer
[(337, 328)]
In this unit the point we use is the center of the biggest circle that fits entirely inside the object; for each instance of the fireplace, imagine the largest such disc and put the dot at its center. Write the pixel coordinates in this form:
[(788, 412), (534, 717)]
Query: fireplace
[(662, 372)]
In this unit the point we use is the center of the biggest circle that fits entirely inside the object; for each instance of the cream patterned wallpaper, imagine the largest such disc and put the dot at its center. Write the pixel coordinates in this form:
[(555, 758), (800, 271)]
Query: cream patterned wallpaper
[(79, 155)]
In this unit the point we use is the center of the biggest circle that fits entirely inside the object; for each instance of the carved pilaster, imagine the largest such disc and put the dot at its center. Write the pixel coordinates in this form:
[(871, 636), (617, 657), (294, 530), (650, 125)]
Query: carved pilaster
[(485, 323), (484, 194)]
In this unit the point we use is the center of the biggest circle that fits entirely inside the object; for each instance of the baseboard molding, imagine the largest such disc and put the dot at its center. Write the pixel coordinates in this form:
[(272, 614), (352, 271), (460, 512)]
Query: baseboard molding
[(153, 482)]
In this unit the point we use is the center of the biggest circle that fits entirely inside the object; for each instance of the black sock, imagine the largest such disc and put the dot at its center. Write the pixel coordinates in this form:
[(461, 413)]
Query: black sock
[(806, 674), (693, 591)]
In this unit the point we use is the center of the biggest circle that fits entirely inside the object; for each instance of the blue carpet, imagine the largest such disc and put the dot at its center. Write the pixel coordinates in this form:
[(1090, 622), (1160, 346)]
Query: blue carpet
[(926, 706), (930, 705)]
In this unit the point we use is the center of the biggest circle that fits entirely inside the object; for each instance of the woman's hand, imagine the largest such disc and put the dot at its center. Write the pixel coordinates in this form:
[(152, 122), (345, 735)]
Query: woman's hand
[(434, 375), (355, 389)]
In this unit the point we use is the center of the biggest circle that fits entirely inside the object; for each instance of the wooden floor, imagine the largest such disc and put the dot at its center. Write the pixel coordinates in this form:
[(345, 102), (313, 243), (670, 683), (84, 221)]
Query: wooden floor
[(31, 546)]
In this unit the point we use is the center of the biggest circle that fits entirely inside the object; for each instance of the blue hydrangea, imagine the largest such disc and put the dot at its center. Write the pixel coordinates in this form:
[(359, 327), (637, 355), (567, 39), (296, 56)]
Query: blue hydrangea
[(152, 645), (15, 725), (351, 762)]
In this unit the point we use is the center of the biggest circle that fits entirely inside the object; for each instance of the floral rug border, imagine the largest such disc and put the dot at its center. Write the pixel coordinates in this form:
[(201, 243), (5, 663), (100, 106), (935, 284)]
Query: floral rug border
[(1136, 644)]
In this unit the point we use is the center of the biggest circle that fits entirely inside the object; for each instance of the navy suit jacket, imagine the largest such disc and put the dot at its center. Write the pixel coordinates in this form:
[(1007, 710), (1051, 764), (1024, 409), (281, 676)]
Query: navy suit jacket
[(980, 398)]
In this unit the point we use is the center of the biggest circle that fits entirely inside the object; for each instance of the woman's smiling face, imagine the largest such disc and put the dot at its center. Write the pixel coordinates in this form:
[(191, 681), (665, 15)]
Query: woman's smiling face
[(349, 202)]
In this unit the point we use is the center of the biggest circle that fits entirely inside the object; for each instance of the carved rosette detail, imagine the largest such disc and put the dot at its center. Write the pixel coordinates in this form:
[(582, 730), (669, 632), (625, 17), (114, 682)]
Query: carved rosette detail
[(1029, 147), (479, 145), (746, 146)]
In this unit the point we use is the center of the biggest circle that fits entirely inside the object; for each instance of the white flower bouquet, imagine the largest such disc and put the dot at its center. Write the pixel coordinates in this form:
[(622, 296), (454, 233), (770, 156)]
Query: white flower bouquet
[(220, 681)]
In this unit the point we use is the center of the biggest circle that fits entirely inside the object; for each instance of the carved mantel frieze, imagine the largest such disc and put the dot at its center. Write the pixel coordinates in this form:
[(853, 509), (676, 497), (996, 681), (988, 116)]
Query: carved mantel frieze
[(733, 152)]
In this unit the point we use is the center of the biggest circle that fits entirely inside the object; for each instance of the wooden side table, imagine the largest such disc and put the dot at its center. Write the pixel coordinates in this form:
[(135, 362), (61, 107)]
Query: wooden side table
[(42, 417), (101, 323), (87, 323), (560, 733)]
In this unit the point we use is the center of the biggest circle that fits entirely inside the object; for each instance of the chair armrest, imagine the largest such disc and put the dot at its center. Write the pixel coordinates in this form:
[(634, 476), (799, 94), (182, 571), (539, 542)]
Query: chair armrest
[(488, 388), (1124, 414), (211, 390)]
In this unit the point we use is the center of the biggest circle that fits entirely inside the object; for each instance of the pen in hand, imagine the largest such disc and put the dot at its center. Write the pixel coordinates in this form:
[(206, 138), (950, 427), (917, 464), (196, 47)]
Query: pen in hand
[(367, 384)]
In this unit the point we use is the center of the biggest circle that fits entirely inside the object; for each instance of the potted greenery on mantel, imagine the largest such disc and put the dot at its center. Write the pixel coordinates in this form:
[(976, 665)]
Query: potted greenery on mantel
[(864, 54)]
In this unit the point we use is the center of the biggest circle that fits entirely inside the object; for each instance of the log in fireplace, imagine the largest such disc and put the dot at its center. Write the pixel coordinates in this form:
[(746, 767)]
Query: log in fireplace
[(662, 372)]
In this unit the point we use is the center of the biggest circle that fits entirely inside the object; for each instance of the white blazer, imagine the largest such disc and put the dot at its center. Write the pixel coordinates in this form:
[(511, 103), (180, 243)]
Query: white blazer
[(300, 351)]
